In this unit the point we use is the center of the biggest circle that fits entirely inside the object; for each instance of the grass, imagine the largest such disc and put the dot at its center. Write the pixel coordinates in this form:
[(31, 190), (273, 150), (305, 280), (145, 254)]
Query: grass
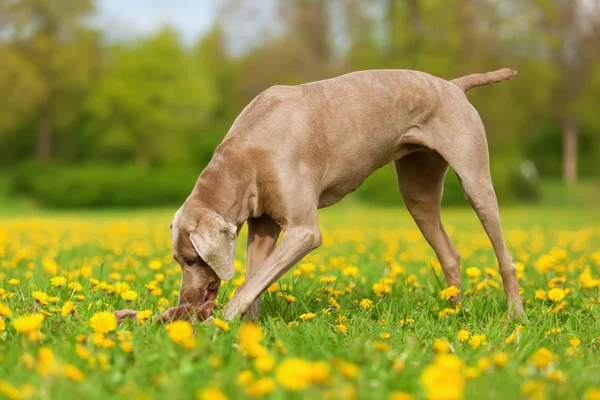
[(555, 247)]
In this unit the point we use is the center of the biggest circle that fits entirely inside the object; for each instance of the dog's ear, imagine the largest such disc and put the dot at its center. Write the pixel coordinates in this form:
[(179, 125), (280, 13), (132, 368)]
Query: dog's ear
[(215, 240)]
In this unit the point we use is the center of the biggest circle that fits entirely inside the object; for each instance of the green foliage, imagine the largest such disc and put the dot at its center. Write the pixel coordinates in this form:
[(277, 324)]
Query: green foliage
[(104, 185), (71, 98), (148, 101)]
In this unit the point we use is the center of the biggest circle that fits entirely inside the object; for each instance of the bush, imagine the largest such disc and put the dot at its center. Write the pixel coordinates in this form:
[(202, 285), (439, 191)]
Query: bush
[(103, 185)]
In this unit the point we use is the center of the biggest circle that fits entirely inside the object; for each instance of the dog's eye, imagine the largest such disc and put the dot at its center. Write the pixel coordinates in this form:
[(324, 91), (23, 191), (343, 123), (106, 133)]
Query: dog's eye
[(189, 261)]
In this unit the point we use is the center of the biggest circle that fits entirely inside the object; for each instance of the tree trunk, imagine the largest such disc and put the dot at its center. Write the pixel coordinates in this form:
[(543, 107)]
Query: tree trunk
[(569, 133), (44, 138)]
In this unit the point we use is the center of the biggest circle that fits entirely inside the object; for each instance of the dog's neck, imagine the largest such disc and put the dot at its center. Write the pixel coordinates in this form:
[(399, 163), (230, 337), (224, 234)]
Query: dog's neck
[(222, 190)]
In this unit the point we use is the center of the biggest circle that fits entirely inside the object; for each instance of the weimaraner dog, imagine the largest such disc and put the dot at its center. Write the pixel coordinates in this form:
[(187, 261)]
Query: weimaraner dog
[(295, 149)]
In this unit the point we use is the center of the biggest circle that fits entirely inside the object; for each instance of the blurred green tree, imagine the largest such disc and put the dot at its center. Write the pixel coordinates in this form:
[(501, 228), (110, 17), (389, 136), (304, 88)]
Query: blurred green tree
[(50, 61), (151, 95)]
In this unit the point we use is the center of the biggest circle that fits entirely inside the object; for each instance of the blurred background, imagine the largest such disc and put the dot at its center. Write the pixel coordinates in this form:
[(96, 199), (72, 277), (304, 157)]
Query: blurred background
[(112, 103)]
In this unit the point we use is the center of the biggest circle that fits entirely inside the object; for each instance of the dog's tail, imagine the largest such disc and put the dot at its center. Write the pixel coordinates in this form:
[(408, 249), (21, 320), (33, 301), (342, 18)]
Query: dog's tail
[(470, 81)]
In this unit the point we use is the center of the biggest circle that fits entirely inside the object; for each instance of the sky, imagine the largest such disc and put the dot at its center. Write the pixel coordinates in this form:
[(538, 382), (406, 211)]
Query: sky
[(131, 18)]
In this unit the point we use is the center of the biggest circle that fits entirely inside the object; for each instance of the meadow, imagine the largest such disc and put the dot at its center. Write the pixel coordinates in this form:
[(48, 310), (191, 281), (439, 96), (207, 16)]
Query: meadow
[(365, 316)]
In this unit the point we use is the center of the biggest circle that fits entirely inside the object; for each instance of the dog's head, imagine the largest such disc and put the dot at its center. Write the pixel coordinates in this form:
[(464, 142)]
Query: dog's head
[(204, 246)]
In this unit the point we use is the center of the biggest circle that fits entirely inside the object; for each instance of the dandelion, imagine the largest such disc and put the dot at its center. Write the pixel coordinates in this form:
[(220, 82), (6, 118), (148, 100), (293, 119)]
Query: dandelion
[(441, 346), (333, 303), (381, 289), (181, 332), (249, 338), (540, 294), (366, 303), (58, 281), (67, 308), (75, 286), (473, 272), (307, 316), (289, 298), (224, 326), (261, 387), (444, 378), (5, 311), (103, 322), (381, 347), (211, 394), (351, 271), (463, 335), (264, 363), (399, 365), (574, 341), (553, 331), (129, 295), (385, 335), (14, 282), (346, 368), (28, 323), (500, 359), (477, 340), (40, 297), (126, 347), (73, 373), (143, 316), (341, 328), (155, 265), (556, 294), (294, 374), (542, 358), (400, 396), (46, 365), (449, 292)]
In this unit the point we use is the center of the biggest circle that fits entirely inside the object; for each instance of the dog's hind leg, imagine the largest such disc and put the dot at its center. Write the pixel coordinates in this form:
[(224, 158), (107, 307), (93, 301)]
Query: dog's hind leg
[(420, 178), (468, 156), (262, 238)]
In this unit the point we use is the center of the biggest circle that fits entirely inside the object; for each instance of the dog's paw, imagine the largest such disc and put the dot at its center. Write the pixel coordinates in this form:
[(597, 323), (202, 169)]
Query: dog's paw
[(204, 312), (122, 315)]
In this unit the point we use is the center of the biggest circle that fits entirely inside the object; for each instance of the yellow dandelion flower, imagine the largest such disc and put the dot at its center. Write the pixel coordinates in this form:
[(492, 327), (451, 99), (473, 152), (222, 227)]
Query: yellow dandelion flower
[(180, 331), (129, 295), (542, 358), (211, 394), (264, 363), (58, 281), (441, 346), (67, 308), (348, 369), (103, 322), (142, 316), (500, 359), (449, 292), (261, 387), (28, 323), (473, 272), (224, 326), (73, 373), (463, 335), (307, 316), (5, 311), (477, 340), (444, 378), (556, 294)]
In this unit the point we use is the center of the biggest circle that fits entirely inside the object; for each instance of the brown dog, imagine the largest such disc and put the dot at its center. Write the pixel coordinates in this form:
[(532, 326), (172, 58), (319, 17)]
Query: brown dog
[(296, 149)]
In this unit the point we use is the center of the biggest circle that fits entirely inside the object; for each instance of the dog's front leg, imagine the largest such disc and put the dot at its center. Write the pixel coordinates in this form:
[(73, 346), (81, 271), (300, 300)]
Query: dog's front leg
[(262, 238), (297, 242)]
